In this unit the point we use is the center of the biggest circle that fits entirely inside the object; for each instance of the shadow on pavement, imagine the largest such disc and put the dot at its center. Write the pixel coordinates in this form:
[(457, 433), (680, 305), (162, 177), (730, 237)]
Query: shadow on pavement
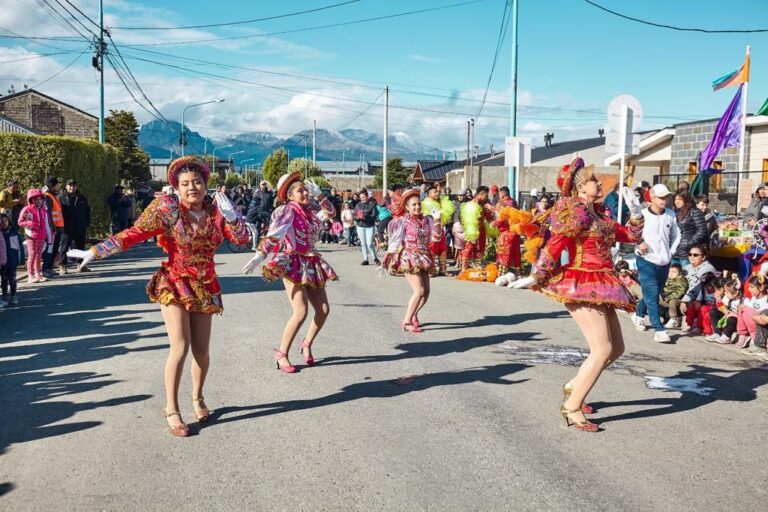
[(497, 320), (739, 386), (432, 348), (376, 389), (32, 351)]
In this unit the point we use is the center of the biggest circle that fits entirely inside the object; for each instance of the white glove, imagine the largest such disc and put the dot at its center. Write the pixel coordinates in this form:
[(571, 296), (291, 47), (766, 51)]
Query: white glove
[(525, 282), (436, 214), (764, 268), (253, 263), (77, 254), (632, 202), (313, 188), (226, 207)]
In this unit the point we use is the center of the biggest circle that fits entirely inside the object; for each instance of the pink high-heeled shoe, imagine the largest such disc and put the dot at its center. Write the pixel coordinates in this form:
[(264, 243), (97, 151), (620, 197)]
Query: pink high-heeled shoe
[(415, 321), (309, 360), (410, 327), (285, 369)]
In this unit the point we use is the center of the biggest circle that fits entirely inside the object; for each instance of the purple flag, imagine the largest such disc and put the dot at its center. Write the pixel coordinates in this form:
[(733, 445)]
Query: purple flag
[(727, 133)]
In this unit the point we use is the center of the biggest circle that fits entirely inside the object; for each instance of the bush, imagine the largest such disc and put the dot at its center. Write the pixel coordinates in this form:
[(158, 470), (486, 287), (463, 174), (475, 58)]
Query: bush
[(31, 158)]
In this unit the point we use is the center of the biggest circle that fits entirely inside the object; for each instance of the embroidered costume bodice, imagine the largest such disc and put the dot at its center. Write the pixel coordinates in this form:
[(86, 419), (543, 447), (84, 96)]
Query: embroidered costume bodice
[(413, 233), (293, 227)]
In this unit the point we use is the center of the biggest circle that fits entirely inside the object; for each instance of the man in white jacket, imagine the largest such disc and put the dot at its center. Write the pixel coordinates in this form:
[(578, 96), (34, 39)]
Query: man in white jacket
[(661, 236)]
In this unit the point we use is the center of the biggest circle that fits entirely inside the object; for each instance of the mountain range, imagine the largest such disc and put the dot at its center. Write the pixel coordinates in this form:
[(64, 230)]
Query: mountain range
[(159, 138)]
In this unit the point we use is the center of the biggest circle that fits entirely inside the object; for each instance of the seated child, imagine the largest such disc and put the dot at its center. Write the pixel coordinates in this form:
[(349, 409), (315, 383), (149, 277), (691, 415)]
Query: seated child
[(673, 293), (745, 324), (325, 232), (629, 279), (723, 317)]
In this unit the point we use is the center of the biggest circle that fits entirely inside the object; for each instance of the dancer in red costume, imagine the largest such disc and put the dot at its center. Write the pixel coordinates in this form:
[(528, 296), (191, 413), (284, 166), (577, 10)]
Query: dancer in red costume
[(291, 241), (587, 284), (189, 229), (410, 234)]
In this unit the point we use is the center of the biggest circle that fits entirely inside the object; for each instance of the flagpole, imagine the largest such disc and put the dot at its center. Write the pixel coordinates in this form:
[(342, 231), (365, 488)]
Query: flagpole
[(743, 146)]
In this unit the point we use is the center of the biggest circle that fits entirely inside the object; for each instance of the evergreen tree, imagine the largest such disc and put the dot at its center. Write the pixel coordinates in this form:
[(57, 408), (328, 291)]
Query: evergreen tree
[(122, 131), (275, 166), (396, 174)]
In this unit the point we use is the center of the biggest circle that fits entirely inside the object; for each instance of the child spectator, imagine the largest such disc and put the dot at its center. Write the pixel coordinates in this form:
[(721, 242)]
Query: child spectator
[(34, 219), (758, 301), (629, 279), (15, 255), (3, 261), (673, 293), (458, 243), (723, 317), (337, 230), (712, 295), (325, 232), (348, 221)]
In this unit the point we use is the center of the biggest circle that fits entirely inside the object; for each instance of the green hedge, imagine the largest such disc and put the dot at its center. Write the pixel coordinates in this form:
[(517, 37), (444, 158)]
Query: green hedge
[(31, 158)]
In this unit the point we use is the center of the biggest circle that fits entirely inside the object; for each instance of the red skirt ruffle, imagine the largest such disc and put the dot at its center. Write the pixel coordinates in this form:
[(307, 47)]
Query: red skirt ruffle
[(311, 271), (193, 293), (597, 287)]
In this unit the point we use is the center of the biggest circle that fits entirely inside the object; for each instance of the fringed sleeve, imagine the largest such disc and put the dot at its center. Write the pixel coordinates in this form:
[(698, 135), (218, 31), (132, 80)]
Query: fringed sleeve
[(279, 226), (568, 219)]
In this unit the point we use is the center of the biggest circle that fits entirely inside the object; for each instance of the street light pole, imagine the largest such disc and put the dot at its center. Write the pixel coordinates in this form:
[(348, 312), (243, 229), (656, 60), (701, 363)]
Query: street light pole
[(229, 160), (213, 157), (183, 138)]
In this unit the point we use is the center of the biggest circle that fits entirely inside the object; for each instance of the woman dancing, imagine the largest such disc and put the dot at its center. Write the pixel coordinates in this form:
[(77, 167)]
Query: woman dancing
[(189, 229), (587, 284), (410, 234), (292, 231)]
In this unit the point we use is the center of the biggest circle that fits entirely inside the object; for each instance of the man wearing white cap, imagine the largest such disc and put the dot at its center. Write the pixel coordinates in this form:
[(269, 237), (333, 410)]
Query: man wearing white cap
[(661, 236)]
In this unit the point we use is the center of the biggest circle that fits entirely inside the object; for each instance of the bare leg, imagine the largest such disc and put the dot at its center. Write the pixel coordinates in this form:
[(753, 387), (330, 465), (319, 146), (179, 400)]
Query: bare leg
[(297, 295), (319, 300), (617, 338), (424, 275), (200, 327), (595, 325), (177, 324), (417, 285)]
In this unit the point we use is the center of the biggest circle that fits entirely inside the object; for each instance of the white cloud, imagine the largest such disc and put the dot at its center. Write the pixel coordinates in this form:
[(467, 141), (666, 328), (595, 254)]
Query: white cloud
[(422, 58)]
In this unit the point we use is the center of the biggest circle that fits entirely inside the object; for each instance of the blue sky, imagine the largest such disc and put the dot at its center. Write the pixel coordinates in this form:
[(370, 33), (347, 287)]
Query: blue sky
[(571, 56)]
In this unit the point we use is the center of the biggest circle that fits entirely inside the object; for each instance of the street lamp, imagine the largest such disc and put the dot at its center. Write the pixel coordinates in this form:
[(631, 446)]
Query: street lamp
[(229, 160), (183, 138), (213, 161)]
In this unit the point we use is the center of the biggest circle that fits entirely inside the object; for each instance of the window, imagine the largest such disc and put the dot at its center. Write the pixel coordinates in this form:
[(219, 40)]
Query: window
[(693, 168), (716, 180)]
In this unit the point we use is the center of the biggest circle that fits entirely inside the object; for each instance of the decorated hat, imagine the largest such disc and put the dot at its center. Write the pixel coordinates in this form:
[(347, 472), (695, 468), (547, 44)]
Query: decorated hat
[(186, 164), (284, 183), (403, 200), (567, 174)]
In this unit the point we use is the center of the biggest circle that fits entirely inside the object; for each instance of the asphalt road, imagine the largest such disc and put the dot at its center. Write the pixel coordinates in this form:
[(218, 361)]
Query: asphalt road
[(460, 417)]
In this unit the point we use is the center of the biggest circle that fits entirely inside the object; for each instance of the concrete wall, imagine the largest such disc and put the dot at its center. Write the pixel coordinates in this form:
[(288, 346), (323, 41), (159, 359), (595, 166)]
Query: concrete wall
[(342, 182), (691, 139), (48, 118), (759, 148)]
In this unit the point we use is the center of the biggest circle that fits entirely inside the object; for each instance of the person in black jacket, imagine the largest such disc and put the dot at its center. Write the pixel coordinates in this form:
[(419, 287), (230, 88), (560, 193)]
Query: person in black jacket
[(702, 203), (365, 218), (259, 211), (336, 200), (77, 217), (693, 226)]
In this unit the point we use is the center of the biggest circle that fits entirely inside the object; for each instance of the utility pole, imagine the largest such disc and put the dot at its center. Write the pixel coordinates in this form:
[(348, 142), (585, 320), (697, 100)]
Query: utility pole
[(472, 157), (384, 180), (467, 173), (314, 143), (100, 53), (513, 178)]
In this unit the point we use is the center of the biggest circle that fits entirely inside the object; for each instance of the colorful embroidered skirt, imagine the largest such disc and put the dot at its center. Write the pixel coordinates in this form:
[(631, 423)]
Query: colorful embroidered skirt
[(311, 271), (598, 287), (409, 262), (193, 293)]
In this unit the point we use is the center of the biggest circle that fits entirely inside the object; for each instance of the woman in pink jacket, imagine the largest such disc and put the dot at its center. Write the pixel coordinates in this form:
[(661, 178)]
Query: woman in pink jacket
[(33, 219)]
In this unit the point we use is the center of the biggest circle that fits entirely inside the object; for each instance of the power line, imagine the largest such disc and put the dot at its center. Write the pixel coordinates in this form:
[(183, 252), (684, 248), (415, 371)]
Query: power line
[(60, 71), (98, 27), (358, 116), (40, 56), (119, 75), (505, 17), (64, 7), (61, 20), (133, 78), (241, 22), (320, 27), (672, 27), (31, 39)]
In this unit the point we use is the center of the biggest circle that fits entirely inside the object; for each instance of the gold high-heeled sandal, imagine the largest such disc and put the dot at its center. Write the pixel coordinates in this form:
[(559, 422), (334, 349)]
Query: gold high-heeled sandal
[(178, 430), (567, 390), (584, 426), (201, 411)]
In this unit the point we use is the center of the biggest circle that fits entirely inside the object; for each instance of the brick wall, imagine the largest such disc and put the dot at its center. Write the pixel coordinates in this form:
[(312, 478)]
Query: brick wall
[(47, 117), (691, 139)]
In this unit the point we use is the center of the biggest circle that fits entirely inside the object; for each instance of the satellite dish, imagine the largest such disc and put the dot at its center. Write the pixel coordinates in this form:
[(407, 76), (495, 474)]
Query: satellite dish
[(616, 112)]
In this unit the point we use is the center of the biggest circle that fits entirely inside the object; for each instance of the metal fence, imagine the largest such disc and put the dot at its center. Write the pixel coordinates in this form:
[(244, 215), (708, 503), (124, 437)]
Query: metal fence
[(722, 188)]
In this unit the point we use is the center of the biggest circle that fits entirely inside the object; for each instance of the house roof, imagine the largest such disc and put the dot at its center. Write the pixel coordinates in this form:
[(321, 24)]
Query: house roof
[(546, 152), (660, 136), (3, 99)]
